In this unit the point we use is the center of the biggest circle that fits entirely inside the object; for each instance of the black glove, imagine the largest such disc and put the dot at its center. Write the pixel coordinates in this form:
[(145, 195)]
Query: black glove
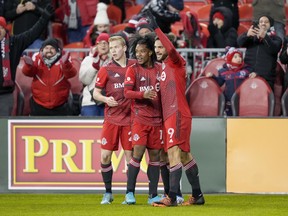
[(213, 29), (151, 19), (48, 12)]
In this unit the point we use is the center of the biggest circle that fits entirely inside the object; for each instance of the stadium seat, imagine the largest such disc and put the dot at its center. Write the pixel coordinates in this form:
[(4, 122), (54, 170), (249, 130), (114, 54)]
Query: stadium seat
[(204, 13), (205, 97), (213, 66), (59, 32), (25, 84), (284, 103), (114, 14), (76, 54), (246, 14), (253, 97), (118, 27), (177, 28), (18, 105), (242, 28), (194, 5), (133, 10)]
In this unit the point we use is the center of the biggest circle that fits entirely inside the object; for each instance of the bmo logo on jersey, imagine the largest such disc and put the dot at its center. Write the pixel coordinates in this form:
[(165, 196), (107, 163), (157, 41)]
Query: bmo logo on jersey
[(145, 88), (118, 85), (163, 76)]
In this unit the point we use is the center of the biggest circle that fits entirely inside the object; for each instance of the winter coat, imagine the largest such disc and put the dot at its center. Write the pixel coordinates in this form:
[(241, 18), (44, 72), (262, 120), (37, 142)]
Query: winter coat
[(227, 35), (50, 86), (262, 55), (18, 44)]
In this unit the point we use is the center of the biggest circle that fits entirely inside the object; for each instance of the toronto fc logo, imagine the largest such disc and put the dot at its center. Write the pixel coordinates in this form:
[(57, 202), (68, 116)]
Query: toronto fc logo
[(163, 76), (103, 141), (136, 137)]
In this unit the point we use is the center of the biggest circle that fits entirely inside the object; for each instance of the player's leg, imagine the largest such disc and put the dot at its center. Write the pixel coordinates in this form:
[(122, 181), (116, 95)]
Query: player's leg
[(164, 170), (192, 173)]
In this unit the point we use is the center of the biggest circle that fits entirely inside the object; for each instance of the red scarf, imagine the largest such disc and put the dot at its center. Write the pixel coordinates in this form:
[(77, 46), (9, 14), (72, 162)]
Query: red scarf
[(5, 51)]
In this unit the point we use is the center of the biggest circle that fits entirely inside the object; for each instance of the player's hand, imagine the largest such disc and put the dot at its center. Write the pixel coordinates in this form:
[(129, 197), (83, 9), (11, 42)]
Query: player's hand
[(28, 60), (111, 102), (150, 94)]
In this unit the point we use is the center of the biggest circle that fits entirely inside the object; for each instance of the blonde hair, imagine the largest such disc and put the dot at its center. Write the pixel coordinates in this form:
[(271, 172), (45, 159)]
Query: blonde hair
[(115, 38)]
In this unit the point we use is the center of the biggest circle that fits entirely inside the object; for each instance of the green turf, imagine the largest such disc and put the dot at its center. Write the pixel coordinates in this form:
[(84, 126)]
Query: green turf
[(88, 204)]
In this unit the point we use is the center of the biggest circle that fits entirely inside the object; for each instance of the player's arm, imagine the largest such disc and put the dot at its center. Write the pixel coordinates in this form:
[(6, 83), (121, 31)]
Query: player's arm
[(129, 84)]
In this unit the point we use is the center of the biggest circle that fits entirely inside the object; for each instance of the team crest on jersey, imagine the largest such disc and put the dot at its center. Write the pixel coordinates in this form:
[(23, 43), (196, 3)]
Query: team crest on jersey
[(136, 137), (163, 76), (103, 141)]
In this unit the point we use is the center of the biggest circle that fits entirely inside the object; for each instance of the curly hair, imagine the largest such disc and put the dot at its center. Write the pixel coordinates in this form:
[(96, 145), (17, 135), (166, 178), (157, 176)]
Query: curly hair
[(148, 40)]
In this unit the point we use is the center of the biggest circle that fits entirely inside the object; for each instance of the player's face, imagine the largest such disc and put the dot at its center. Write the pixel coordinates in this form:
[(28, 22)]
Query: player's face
[(117, 49), (49, 51), (2, 33), (160, 51), (143, 54)]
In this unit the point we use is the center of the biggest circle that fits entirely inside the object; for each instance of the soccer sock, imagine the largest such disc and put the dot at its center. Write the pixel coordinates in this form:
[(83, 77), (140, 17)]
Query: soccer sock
[(164, 167), (133, 170), (153, 173), (107, 172), (192, 174), (175, 176)]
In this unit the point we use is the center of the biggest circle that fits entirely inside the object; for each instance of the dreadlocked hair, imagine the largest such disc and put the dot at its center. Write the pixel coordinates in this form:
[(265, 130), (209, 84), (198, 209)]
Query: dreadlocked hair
[(147, 40)]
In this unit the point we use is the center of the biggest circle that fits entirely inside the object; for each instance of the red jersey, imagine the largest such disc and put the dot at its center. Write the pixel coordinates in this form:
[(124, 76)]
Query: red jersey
[(173, 81), (111, 78), (139, 79)]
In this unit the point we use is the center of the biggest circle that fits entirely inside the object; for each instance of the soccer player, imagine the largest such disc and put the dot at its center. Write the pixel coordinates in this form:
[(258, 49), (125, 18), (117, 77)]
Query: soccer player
[(177, 119), (117, 112), (142, 85)]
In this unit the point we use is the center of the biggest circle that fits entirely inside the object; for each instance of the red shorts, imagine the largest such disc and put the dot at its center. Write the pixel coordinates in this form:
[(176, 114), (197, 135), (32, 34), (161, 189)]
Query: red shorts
[(177, 132), (149, 136), (111, 134)]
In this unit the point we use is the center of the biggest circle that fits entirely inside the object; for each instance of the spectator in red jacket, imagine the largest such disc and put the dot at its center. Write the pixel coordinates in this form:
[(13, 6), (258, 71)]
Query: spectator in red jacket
[(50, 86)]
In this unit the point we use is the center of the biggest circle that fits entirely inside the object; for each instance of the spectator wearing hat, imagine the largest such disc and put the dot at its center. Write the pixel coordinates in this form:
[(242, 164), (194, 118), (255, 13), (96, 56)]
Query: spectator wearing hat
[(232, 5), (143, 27), (222, 33), (90, 66), (232, 74), (101, 24), (130, 29), (166, 12), (50, 87), (262, 48), (11, 49), (274, 9)]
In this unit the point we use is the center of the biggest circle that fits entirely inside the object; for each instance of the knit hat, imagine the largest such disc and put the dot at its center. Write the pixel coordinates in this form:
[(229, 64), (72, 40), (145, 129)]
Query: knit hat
[(3, 22), (271, 20), (101, 16), (52, 42), (131, 27), (218, 15), (177, 4), (143, 23), (102, 37), (231, 51)]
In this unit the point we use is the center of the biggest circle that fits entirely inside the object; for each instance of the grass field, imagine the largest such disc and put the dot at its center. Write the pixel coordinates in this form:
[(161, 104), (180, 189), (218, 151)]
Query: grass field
[(88, 204)]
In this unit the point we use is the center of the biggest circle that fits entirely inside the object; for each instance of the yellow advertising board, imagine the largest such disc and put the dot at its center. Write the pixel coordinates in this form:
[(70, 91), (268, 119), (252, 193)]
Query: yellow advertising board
[(257, 155)]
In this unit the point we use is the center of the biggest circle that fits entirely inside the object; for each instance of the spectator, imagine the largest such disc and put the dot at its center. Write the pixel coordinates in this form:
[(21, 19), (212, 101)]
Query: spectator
[(50, 87), (130, 29), (262, 47), (166, 12), (101, 24), (274, 9), (23, 15), (142, 86), (91, 64), (284, 60), (232, 74), (78, 15), (232, 5), (118, 3), (222, 33), (143, 27), (12, 48)]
